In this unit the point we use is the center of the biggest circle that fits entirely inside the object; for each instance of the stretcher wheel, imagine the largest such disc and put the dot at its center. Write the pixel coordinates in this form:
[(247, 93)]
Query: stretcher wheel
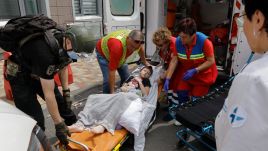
[(181, 143)]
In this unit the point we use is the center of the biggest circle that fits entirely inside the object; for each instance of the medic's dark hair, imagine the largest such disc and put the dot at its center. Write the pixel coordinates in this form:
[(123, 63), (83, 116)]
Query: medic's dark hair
[(187, 26), (252, 5)]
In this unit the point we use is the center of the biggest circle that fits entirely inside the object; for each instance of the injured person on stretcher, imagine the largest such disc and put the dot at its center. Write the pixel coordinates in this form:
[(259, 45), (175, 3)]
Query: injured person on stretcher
[(112, 111)]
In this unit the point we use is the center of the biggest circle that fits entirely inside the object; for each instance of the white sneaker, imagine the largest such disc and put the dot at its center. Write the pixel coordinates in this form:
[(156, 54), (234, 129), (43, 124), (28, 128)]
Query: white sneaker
[(177, 123)]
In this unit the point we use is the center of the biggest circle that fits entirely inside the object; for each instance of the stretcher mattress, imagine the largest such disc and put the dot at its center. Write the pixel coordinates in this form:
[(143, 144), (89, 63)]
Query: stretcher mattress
[(98, 142), (193, 117)]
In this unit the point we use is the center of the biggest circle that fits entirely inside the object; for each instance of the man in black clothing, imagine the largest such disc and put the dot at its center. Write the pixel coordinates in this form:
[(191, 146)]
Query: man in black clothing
[(34, 75)]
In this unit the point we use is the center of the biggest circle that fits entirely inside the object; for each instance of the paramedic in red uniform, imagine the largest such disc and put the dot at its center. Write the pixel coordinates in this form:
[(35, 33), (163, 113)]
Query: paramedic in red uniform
[(197, 64), (165, 42), (112, 52)]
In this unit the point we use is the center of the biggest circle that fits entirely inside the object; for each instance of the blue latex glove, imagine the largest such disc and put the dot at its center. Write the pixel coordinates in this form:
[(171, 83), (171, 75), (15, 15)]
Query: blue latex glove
[(189, 74), (166, 85)]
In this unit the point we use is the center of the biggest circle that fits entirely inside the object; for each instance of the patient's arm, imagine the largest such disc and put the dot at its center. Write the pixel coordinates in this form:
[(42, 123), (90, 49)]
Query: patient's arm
[(124, 88), (144, 90)]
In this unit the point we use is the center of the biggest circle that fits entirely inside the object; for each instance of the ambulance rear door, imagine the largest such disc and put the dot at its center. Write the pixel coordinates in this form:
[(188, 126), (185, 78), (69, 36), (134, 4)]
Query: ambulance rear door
[(242, 51), (121, 14)]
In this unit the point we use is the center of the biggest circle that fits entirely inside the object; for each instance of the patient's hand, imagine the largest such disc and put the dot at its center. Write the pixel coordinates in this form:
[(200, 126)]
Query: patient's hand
[(124, 88)]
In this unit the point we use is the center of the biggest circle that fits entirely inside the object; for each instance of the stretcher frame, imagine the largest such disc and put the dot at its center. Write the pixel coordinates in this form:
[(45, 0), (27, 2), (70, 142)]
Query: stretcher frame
[(206, 129)]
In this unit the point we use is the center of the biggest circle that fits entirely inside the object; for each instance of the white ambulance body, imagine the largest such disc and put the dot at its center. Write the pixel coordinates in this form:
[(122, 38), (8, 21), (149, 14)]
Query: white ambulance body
[(149, 15)]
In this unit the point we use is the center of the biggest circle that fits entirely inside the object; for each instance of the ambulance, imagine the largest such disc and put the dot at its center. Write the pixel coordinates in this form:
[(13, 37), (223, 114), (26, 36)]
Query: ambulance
[(216, 18)]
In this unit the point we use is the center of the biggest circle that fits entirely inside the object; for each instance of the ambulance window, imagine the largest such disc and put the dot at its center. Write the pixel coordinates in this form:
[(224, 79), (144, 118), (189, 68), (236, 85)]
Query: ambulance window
[(85, 7), (9, 9), (32, 7), (122, 7), (15, 8)]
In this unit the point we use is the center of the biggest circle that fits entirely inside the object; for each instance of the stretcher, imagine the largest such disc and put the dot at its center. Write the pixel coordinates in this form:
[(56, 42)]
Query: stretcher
[(87, 141), (198, 117)]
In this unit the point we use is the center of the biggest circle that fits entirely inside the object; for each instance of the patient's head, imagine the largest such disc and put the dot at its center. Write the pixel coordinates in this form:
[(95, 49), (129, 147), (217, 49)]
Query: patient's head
[(146, 72)]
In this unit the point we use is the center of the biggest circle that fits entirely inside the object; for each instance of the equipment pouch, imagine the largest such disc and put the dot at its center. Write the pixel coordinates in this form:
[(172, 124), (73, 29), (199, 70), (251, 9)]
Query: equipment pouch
[(12, 68)]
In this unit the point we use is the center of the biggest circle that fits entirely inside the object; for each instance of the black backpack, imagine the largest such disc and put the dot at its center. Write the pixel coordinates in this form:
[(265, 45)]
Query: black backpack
[(20, 30)]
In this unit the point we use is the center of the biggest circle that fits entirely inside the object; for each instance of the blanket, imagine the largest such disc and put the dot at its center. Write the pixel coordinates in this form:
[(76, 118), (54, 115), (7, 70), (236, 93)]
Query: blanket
[(105, 109)]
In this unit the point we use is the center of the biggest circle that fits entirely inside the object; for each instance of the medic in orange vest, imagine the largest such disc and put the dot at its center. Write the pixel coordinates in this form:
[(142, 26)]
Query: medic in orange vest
[(197, 64)]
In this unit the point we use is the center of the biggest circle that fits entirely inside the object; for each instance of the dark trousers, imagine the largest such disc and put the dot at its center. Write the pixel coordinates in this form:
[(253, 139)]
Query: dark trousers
[(25, 90)]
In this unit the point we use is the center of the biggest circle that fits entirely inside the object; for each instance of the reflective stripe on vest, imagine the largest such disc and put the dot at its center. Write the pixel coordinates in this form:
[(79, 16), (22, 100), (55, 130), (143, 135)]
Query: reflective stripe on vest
[(121, 35), (197, 52)]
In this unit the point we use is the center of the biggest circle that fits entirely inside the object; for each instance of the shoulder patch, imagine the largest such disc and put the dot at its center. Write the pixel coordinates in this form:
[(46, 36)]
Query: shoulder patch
[(237, 116), (51, 69)]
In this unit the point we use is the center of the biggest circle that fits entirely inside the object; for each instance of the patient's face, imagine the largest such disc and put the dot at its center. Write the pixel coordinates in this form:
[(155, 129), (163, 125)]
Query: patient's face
[(145, 73)]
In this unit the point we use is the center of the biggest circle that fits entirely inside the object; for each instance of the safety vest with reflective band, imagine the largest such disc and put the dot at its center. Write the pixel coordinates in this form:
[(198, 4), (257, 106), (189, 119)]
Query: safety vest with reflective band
[(196, 58), (197, 51), (121, 35)]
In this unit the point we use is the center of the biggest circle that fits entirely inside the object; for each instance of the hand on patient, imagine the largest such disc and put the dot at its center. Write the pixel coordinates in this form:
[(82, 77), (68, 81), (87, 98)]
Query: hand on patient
[(166, 85)]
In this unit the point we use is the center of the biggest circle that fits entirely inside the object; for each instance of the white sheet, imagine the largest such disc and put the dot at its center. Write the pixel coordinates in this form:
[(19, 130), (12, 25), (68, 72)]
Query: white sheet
[(149, 107)]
